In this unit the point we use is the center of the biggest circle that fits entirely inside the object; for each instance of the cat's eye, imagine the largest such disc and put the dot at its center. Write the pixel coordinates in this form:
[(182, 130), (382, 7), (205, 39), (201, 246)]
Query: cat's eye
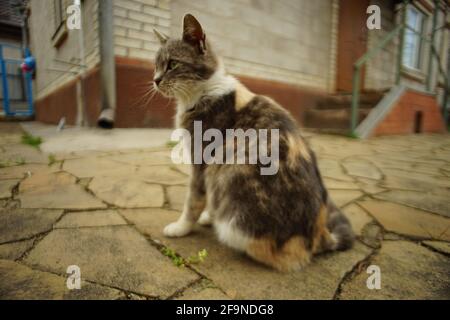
[(172, 64)]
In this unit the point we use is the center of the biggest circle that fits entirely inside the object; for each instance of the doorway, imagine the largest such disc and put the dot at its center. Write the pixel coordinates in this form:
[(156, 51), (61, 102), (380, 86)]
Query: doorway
[(352, 41)]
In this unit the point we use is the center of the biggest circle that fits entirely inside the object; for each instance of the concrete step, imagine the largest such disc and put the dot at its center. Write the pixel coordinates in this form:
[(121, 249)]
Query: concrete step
[(342, 101), (331, 118)]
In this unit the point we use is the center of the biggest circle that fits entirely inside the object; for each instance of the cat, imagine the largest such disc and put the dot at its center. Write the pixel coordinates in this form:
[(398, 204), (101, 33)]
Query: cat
[(280, 220)]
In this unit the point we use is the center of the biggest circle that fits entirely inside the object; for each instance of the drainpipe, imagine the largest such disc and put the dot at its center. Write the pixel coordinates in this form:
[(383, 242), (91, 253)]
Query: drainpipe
[(430, 58), (107, 64)]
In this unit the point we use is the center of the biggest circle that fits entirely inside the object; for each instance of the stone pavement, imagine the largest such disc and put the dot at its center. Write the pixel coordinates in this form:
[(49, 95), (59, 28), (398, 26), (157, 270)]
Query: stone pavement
[(104, 211)]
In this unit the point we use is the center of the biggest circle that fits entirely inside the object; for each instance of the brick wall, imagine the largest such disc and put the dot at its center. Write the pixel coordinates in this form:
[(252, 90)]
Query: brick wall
[(134, 21), (401, 119)]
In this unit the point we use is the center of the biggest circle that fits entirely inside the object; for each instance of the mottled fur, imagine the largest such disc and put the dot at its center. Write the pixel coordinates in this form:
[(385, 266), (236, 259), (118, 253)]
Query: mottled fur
[(280, 220)]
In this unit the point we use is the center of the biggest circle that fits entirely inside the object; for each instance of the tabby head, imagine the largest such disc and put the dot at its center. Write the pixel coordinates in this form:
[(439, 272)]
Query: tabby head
[(182, 66)]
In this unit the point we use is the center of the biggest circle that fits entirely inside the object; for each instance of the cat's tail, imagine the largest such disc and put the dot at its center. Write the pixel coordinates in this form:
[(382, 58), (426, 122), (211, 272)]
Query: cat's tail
[(340, 228)]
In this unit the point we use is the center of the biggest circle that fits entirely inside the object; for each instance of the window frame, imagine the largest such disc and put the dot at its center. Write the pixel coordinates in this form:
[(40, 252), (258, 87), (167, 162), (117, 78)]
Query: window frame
[(418, 50), (60, 18)]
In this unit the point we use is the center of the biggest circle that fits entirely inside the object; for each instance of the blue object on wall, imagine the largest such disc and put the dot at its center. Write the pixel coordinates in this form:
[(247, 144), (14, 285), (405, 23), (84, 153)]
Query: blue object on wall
[(9, 106)]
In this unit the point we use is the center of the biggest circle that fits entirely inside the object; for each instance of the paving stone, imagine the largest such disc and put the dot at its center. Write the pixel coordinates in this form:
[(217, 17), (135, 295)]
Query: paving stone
[(15, 250), (336, 184), (435, 203), (344, 197), (19, 282), (114, 256), (442, 182), (127, 193), (372, 235), (403, 183), (242, 278), (369, 186), (91, 219), (97, 166), (408, 271), (361, 168), (162, 175), (18, 154), (332, 169), (18, 224), (408, 221), (20, 172), (204, 290), (358, 217), (143, 158), (177, 196), (184, 168), (441, 246), (56, 190), (6, 187)]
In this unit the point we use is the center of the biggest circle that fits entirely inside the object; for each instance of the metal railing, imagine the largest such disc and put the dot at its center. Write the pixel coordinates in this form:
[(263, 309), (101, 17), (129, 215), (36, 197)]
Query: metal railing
[(357, 66)]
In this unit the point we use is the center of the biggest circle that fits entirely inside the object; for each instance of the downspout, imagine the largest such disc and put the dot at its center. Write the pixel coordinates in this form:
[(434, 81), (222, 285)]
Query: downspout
[(107, 64), (433, 33)]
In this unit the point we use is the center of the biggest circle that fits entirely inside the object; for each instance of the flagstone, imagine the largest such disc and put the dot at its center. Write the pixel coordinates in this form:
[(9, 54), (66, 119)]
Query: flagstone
[(126, 192), (358, 217), (441, 246), (344, 197), (57, 191), (162, 175), (337, 184), (177, 197), (362, 168), (6, 187), (239, 276), (15, 250), (22, 171), (19, 224), (97, 166), (408, 271), (19, 282), (439, 203), (408, 221), (91, 219), (113, 256)]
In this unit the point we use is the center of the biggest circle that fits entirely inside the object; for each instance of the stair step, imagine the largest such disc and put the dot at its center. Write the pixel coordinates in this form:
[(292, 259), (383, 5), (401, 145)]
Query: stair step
[(370, 99), (332, 118)]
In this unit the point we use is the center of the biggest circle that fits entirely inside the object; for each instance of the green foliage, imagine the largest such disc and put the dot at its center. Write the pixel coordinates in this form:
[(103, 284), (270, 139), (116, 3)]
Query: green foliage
[(180, 261), (171, 144), (31, 140), (353, 135)]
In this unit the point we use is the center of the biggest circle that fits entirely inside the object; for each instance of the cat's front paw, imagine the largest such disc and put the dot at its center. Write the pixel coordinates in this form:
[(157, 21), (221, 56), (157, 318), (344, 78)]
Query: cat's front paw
[(177, 229), (205, 219)]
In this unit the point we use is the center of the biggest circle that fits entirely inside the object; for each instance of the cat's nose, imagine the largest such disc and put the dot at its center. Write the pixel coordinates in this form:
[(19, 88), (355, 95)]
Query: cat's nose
[(157, 80)]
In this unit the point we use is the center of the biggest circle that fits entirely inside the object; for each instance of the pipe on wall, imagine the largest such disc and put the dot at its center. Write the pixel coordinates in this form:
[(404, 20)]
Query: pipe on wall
[(107, 64)]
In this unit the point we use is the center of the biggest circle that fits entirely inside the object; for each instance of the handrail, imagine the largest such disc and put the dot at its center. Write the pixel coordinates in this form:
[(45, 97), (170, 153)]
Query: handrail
[(368, 55), (357, 73)]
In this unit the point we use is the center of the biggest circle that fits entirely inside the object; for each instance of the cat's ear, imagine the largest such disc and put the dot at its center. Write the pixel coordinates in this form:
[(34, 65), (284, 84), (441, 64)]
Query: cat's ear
[(161, 36), (193, 33)]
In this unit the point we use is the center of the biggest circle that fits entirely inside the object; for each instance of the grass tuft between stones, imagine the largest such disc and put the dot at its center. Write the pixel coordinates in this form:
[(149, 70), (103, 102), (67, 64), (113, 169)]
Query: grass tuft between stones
[(31, 140), (180, 261)]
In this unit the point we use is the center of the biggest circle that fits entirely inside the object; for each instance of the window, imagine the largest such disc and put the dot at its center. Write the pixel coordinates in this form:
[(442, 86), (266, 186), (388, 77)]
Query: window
[(60, 33), (59, 13), (412, 44)]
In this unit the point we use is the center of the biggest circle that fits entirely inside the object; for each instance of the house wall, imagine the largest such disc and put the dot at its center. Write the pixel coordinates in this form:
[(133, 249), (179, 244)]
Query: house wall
[(57, 66), (382, 68), (287, 41), (401, 118)]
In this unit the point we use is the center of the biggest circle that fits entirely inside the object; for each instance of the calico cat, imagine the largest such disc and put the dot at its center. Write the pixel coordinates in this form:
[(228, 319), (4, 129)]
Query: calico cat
[(280, 220)]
